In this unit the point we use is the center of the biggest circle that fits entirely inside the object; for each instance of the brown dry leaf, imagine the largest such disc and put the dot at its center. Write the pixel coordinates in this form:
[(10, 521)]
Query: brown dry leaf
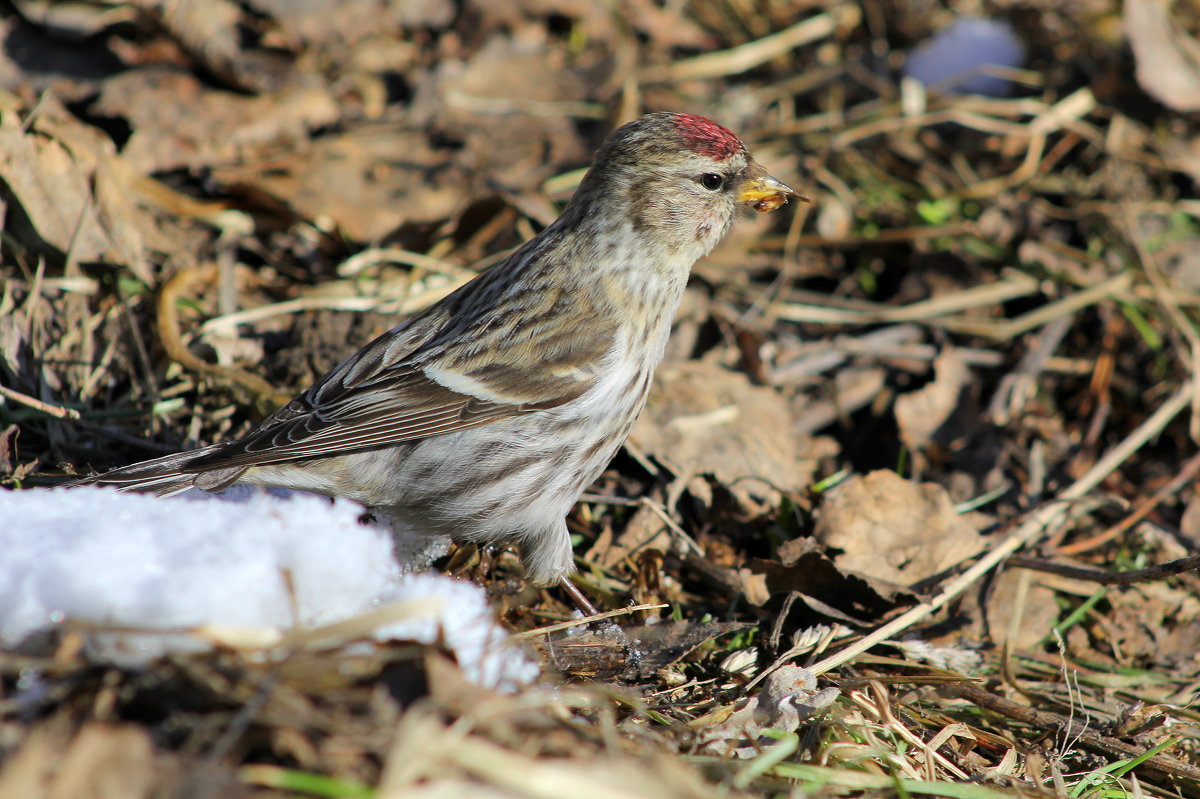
[(807, 573), (74, 191), (46, 49), (1189, 524), (367, 181), (704, 419), (349, 21), (52, 189), (1039, 610), (646, 530), (665, 26), (1143, 618), (1184, 155), (210, 31), (894, 530), (512, 105), (1168, 60), (101, 762), (179, 122), (924, 416)]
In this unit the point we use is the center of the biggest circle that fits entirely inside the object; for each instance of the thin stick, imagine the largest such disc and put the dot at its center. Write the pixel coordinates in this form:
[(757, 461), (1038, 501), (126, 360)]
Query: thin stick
[(57, 411), (749, 55), (1032, 527), (564, 625), (1191, 468), (1160, 572), (1008, 288)]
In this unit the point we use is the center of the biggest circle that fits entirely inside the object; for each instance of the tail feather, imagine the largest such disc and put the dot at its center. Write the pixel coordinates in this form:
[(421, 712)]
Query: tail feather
[(166, 475)]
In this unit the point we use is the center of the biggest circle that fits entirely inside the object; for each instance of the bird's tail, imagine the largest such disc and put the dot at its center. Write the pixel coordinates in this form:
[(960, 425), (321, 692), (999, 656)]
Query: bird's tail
[(166, 475)]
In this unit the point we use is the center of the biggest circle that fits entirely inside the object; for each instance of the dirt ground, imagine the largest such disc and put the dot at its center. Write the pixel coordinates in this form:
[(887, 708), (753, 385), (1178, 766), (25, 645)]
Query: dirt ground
[(931, 437)]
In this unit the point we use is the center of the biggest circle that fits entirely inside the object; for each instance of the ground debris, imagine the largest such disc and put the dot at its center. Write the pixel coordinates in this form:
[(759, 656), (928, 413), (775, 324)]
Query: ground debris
[(979, 338)]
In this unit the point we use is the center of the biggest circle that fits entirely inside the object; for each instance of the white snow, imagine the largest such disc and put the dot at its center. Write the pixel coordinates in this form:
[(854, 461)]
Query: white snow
[(176, 574)]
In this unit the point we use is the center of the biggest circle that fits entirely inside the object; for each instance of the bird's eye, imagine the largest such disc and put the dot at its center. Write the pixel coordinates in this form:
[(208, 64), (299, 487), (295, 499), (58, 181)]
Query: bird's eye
[(711, 181)]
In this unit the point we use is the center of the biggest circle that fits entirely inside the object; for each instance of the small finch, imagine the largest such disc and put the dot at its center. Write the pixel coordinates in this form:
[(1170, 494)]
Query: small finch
[(485, 416)]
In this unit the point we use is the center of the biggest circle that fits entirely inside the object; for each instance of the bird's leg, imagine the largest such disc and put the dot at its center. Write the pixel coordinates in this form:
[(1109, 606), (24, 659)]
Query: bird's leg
[(582, 602)]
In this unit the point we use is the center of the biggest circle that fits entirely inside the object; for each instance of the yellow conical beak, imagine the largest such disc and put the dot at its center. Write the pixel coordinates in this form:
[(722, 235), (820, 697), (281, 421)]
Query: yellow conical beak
[(764, 193)]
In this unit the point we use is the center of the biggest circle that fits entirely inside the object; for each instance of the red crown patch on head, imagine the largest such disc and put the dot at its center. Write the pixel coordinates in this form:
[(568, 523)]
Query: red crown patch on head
[(705, 137)]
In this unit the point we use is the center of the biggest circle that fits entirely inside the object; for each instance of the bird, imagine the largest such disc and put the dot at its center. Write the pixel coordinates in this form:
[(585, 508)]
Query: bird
[(485, 416)]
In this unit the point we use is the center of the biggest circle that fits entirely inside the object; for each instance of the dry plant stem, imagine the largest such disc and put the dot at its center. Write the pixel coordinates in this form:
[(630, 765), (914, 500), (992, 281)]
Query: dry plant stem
[(1019, 603), (553, 628), (1070, 108), (738, 59), (366, 259), (57, 411), (1017, 387), (1189, 346), (401, 306), (888, 235), (880, 706), (1010, 287), (1034, 526), (172, 340), (1069, 304), (1158, 766), (1186, 475), (937, 311)]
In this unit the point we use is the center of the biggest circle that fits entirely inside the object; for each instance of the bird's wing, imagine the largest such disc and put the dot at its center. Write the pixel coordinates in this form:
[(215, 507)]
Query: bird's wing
[(386, 395)]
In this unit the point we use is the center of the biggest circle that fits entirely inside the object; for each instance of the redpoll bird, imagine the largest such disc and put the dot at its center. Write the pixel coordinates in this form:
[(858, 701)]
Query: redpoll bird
[(485, 416)]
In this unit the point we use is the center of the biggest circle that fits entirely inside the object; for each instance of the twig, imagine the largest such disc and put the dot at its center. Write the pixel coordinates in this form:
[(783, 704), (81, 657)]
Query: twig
[(57, 411), (1018, 386), (400, 305), (564, 625), (395, 255), (1012, 287), (1160, 572), (1030, 529), (1068, 109), (1161, 766), (749, 55), (1190, 469), (1011, 328), (172, 340)]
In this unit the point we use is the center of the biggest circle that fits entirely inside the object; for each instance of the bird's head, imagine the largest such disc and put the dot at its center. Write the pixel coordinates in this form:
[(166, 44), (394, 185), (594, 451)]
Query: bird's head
[(678, 180)]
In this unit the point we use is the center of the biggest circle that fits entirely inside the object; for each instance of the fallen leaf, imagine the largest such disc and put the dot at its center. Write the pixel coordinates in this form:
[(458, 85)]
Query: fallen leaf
[(1168, 59), (1039, 611), (349, 21), (1189, 524), (177, 121), (704, 419), (925, 416), (512, 105), (367, 181), (892, 529), (102, 761), (74, 191), (645, 530), (809, 574)]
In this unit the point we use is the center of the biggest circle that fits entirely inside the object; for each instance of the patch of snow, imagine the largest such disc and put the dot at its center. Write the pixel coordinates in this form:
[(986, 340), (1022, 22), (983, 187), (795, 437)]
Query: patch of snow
[(169, 572)]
